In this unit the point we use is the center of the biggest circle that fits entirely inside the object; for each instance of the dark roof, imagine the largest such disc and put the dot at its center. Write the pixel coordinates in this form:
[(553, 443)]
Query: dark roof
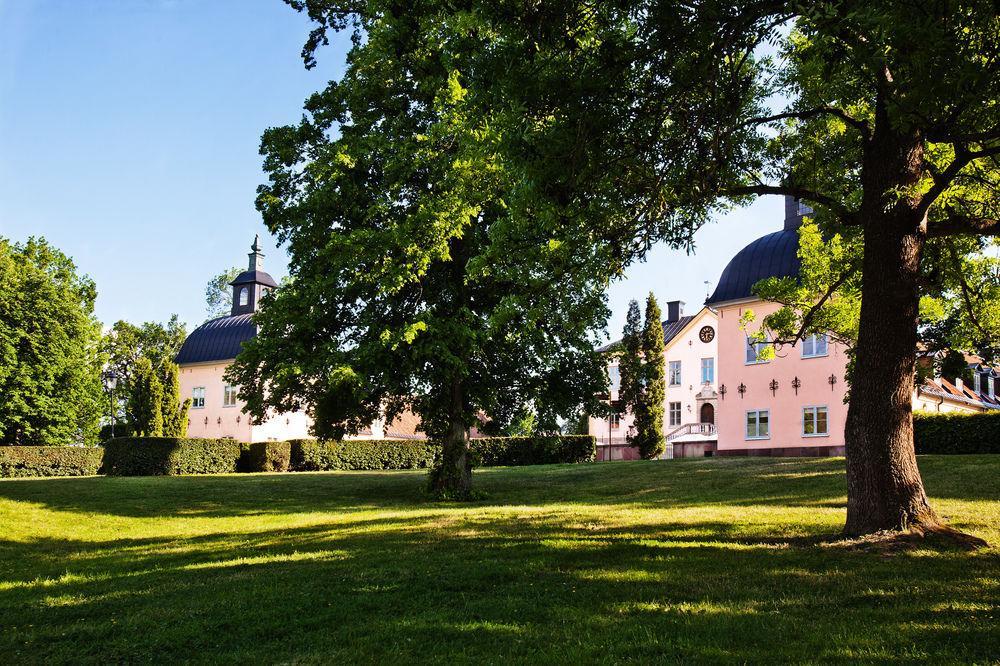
[(773, 255), (217, 340), (670, 331), (254, 277)]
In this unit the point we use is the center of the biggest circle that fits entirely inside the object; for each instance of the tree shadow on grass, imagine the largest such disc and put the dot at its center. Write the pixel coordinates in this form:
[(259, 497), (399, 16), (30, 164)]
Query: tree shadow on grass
[(425, 588)]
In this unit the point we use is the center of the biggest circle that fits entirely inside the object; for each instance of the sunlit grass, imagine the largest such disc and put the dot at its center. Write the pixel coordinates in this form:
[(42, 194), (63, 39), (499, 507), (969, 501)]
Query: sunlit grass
[(704, 561)]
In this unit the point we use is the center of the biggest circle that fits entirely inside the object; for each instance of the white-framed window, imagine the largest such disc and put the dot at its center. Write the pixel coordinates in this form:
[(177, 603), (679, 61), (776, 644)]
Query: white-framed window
[(977, 382), (674, 373), (615, 422), (198, 397), (674, 412), (754, 351), (229, 395), (815, 422), (707, 370), (991, 384), (758, 424), (615, 376), (244, 296), (817, 344)]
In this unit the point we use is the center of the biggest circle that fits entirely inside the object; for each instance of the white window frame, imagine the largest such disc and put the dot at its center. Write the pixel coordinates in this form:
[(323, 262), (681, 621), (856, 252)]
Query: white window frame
[(810, 345), (671, 411), (614, 377), (991, 384), (230, 395), (814, 419), (977, 382), (746, 424), (756, 348), (195, 397), (710, 364), (671, 367), (615, 422)]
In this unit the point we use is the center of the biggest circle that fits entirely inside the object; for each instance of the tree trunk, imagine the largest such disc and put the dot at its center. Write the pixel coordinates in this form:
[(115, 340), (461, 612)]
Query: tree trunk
[(884, 488), (451, 477)]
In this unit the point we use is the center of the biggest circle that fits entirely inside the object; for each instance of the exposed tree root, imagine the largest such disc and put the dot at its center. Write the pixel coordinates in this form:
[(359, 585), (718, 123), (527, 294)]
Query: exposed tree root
[(923, 535)]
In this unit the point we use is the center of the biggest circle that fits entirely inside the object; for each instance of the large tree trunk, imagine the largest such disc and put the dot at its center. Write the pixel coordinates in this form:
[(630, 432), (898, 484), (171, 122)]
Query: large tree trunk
[(451, 477), (884, 488)]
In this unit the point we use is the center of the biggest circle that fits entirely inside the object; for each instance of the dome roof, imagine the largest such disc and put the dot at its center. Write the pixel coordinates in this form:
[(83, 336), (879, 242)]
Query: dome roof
[(773, 255), (217, 340)]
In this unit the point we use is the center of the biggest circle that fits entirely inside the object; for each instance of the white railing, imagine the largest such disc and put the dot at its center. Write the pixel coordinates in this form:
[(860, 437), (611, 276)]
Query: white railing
[(703, 429)]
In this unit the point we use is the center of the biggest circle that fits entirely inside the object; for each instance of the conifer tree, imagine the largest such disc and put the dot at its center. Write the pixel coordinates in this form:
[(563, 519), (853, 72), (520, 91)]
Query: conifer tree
[(147, 400), (630, 361), (174, 411), (649, 414)]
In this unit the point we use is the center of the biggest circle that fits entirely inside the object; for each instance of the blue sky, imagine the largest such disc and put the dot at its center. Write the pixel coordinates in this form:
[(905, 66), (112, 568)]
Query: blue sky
[(129, 132)]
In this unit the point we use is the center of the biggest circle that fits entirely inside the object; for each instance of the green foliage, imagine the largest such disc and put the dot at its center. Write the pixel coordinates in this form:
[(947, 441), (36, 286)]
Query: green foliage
[(630, 360), (155, 456), (24, 461), (146, 400), (50, 361), (649, 409), (174, 411), (537, 450), (266, 457), (956, 433), (219, 293), (316, 455)]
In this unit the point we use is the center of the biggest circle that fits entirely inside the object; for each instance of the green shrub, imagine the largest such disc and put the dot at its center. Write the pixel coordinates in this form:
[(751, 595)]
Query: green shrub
[(315, 455), (155, 456), (266, 457), (957, 433), (23, 461), (534, 450)]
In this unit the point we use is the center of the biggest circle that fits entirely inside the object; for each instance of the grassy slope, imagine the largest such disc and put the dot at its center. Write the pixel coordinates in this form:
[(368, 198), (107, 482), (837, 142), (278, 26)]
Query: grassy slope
[(711, 560)]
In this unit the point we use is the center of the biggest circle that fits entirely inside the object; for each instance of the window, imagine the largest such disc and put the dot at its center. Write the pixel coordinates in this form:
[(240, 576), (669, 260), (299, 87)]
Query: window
[(615, 421), (675, 373), (244, 296), (707, 370), (817, 344), (757, 424), (674, 410), (754, 350), (814, 422), (198, 397), (229, 395), (977, 382), (615, 376), (991, 383)]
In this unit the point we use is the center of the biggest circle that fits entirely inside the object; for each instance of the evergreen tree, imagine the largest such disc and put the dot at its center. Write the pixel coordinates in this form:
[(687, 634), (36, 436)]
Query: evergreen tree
[(146, 400), (649, 415), (174, 410), (630, 361)]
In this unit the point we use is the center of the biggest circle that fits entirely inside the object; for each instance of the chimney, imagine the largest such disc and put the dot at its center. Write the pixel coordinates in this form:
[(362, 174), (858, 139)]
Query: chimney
[(675, 310), (959, 384), (794, 210)]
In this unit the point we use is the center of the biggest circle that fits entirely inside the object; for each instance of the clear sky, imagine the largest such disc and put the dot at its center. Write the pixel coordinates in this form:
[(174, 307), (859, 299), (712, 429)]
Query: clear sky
[(129, 132)]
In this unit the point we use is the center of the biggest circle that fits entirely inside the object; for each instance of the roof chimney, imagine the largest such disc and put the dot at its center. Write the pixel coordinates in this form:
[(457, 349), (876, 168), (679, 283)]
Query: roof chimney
[(794, 210), (675, 310), (959, 384)]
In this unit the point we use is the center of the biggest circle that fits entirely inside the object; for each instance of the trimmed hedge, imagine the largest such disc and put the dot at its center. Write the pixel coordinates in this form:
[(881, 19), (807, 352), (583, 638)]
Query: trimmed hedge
[(956, 433), (157, 456), (25, 461), (266, 457), (537, 450), (315, 455)]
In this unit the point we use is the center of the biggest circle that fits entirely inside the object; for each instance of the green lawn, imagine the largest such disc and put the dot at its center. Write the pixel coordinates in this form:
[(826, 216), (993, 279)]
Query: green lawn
[(695, 560)]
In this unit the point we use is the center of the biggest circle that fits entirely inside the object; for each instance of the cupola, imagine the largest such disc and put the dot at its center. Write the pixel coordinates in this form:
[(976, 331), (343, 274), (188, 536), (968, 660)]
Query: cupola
[(250, 285)]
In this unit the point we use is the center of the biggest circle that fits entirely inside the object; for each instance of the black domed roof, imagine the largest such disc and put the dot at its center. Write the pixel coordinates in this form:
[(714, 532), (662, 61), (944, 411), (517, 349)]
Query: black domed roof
[(773, 255), (217, 340), (254, 277)]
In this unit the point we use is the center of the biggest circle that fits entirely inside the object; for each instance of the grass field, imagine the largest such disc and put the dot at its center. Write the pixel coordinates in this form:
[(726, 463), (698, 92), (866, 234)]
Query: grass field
[(697, 561)]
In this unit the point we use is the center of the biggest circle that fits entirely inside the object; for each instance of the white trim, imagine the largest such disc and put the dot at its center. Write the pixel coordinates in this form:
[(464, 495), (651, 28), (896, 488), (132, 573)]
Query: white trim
[(802, 421), (204, 395), (758, 412), (804, 355)]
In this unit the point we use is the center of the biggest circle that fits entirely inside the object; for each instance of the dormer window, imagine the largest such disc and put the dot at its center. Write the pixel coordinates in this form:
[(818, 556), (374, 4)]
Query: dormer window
[(244, 297)]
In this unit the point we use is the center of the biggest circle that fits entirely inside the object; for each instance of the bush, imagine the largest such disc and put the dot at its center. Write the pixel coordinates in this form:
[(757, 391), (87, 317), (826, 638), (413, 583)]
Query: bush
[(316, 455), (957, 433), (24, 461), (155, 456), (266, 457), (534, 450)]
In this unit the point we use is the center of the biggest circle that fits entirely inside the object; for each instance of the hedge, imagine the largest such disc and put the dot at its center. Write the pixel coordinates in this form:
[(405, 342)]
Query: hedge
[(155, 456), (314, 455), (266, 457), (537, 450), (25, 461), (957, 433)]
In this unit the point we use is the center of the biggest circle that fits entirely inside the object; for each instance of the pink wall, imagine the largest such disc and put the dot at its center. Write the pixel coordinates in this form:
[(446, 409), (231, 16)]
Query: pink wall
[(785, 406)]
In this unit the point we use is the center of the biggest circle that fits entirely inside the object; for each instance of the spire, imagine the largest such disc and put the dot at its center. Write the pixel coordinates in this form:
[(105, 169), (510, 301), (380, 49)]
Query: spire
[(256, 257)]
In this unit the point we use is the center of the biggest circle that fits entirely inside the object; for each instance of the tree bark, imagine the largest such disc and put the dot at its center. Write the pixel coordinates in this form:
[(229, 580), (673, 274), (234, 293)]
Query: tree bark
[(884, 488), (451, 477)]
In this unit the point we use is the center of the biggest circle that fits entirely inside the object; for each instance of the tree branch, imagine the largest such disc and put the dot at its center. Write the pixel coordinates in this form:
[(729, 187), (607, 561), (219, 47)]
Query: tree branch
[(847, 216), (856, 123), (962, 225)]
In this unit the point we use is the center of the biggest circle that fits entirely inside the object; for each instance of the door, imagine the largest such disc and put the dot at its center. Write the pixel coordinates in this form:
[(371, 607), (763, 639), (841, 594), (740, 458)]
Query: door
[(708, 413)]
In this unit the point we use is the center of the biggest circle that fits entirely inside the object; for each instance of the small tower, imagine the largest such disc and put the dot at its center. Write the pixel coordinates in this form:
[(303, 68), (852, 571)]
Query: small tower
[(250, 285)]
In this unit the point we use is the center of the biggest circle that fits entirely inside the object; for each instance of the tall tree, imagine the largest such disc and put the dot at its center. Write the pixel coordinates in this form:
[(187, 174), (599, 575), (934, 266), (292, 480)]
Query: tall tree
[(630, 372), (413, 284), (50, 362), (219, 293), (146, 400), (649, 413), (172, 407)]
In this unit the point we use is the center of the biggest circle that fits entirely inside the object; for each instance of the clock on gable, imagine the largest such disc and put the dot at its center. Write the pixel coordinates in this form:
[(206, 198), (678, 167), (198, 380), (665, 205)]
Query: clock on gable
[(706, 334)]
